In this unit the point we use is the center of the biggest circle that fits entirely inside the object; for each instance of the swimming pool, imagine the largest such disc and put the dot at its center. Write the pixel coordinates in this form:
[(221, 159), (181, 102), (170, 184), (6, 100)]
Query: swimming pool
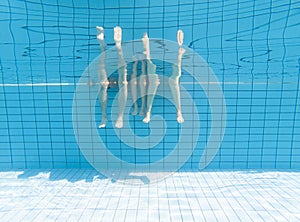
[(251, 46)]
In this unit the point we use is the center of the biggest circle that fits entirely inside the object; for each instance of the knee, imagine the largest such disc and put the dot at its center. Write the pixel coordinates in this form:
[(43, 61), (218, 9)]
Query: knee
[(104, 84), (123, 83)]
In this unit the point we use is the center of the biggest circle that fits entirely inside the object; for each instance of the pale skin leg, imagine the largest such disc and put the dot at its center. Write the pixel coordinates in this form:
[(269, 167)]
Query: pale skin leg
[(103, 81), (133, 86), (122, 80), (153, 80), (174, 78), (143, 90)]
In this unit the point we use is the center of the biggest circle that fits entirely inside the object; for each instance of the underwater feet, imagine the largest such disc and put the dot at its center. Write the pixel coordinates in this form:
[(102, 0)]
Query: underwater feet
[(147, 118), (180, 118), (119, 123), (102, 124)]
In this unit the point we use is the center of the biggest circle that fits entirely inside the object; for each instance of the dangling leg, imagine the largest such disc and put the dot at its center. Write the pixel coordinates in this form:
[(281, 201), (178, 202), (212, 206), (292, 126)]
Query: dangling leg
[(151, 91), (133, 86), (175, 89), (143, 89), (153, 79), (122, 80), (103, 103), (122, 98), (103, 82), (174, 78)]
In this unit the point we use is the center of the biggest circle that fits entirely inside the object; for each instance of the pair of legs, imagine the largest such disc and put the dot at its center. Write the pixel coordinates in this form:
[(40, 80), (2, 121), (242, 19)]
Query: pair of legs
[(103, 80), (147, 85)]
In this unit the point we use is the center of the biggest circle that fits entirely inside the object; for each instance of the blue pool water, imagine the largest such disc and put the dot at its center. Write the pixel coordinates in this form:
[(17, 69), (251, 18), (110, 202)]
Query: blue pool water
[(251, 46)]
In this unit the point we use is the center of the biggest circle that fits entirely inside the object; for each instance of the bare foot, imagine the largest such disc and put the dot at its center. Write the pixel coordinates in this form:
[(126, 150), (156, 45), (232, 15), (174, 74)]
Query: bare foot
[(180, 37), (134, 112), (180, 118), (102, 124), (135, 108), (147, 118), (119, 123), (118, 35)]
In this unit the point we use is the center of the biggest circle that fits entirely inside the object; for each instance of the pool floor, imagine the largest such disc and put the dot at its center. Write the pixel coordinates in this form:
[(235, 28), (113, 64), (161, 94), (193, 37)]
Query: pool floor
[(85, 195)]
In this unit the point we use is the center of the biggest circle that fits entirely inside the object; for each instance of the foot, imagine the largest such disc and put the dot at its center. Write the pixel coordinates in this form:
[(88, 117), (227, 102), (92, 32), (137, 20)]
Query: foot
[(147, 118), (180, 37), (102, 124), (100, 33), (180, 118), (134, 112), (119, 123), (118, 35)]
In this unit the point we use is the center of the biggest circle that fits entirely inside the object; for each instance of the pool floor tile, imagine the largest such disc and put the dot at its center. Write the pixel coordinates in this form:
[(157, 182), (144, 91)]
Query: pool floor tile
[(86, 195)]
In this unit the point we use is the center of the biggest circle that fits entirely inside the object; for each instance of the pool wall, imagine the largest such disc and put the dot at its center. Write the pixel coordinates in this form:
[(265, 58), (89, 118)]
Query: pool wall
[(252, 46)]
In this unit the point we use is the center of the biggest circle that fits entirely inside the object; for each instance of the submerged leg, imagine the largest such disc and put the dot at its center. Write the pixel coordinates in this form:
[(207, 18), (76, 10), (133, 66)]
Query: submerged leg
[(175, 89), (174, 78), (122, 79), (102, 76), (133, 87), (153, 79), (151, 90), (103, 103), (143, 89), (122, 98)]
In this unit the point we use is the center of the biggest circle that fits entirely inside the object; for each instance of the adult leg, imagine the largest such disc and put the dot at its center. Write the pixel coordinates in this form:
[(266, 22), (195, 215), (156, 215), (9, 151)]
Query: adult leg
[(143, 88), (174, 78), (152, 77), (133, 87), (122, 79), (153, 82), (103, 82)]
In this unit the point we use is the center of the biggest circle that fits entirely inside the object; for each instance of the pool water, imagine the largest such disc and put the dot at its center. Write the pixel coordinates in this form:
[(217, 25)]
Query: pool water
[(251, 46)]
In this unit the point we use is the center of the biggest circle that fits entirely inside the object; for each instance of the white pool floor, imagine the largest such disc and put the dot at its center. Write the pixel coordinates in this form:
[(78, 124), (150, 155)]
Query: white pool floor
[(85, 195)]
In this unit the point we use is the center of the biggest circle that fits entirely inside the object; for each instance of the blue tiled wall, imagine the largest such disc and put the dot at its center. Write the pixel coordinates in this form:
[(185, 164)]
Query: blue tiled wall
[(252, 46)]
